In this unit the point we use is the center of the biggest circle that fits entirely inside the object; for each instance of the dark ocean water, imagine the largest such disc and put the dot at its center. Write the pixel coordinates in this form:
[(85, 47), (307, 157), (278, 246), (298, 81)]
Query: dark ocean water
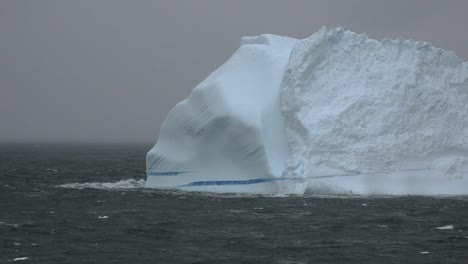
[(50, 224)]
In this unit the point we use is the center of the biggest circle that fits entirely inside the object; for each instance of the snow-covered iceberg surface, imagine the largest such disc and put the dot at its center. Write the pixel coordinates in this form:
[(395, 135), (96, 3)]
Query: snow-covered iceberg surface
[(334, 113)]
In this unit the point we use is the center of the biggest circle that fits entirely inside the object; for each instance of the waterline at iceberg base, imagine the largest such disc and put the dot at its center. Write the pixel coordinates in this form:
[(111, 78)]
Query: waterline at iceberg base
[(335, 113)]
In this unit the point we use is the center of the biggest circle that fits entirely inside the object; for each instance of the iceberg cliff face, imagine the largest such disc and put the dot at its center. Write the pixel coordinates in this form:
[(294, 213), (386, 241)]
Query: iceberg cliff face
[(379, 116), (228, 135), (334, 113)]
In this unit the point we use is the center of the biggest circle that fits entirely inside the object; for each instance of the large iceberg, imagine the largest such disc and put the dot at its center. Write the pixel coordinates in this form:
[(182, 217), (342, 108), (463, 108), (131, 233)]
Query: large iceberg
[(333, 113)]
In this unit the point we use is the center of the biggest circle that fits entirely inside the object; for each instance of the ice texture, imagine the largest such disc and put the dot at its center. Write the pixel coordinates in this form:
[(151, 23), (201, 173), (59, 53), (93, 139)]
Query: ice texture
[(228, 135), (337, 112), (387, 116)]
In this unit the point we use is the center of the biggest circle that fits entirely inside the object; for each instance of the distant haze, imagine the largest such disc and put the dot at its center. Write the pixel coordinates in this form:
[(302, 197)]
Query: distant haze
[(110, 70)]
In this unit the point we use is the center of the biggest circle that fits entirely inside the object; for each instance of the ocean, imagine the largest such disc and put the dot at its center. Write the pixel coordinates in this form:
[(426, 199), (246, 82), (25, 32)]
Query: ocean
[(86, 204)]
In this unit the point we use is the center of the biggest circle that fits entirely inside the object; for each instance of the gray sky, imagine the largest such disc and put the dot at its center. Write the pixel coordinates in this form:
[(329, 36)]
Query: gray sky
[(110, 70)]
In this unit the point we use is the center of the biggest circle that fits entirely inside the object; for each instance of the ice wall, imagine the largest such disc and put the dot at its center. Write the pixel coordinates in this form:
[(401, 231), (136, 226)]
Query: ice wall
[(368, 116), (228, 135)]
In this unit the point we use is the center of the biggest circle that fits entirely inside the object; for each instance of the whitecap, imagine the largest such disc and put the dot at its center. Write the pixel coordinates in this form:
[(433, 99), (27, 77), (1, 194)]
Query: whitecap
[(123, 184), (446, 227)]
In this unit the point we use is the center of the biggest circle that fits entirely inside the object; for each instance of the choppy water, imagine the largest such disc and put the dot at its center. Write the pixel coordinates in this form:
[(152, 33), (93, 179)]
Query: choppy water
[(101, 214)]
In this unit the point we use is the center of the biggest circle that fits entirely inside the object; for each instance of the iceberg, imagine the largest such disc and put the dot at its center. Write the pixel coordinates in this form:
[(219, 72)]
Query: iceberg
[(228, 135), (336, 112)]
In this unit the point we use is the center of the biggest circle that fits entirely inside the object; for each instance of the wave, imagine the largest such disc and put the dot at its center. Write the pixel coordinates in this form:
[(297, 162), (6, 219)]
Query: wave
[(119, 185)]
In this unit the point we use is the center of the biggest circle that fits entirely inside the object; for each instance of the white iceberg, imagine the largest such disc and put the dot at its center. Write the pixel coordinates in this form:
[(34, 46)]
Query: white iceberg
[(333, 113), (228, 135)]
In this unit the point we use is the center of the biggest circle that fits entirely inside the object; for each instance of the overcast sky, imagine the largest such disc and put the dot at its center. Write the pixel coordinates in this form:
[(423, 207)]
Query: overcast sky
[(110, 70)]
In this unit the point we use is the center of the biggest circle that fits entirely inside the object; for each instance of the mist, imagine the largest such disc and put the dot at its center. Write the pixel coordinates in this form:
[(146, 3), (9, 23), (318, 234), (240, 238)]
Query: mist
[(109, 71)]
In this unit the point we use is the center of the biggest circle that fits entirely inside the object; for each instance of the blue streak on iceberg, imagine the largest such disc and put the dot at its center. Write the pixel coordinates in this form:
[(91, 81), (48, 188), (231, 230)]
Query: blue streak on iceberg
[(236, 182), (166, 173)]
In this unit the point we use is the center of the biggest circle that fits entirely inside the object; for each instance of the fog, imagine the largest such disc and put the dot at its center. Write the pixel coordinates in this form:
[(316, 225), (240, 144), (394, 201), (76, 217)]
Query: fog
[(110, 70)]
